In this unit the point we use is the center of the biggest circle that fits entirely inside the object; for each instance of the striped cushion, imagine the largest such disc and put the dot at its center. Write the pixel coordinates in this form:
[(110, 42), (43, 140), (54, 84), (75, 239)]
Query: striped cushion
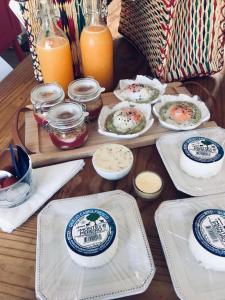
[(179, 38)]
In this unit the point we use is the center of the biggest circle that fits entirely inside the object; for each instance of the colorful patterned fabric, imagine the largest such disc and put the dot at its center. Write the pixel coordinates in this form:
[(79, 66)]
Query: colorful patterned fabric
[(179, 38), (71, 21), (32, 28)]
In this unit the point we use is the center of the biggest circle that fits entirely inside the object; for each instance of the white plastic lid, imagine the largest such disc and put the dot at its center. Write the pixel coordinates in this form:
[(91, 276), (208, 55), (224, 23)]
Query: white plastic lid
[(203, 150), (209, 230), (90, 232)]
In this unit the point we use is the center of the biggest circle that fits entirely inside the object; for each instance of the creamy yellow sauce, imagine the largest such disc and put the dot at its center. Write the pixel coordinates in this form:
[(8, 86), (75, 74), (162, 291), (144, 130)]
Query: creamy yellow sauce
[(148, 182), (113, 158)]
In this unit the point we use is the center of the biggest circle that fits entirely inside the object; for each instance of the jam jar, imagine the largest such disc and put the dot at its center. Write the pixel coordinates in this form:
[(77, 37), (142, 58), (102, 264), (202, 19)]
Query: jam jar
[(66, 125), (43, 97), (87, 91)]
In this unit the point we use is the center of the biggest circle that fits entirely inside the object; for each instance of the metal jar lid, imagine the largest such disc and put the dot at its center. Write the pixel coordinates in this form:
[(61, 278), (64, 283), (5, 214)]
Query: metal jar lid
[(66, 115), (84, 89), (47, 95)]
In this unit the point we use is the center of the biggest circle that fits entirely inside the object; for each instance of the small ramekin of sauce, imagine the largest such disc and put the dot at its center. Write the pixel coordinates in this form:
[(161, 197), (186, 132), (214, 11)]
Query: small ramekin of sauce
[(66, 125), (148, 185), (87, 92), (43, 97)]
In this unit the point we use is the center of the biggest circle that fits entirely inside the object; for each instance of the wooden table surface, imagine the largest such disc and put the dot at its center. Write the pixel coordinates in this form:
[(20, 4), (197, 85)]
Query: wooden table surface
[(17, 250)]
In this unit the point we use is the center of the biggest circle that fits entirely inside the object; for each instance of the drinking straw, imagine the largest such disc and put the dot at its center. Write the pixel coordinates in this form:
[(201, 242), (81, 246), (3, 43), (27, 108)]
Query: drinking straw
[(80, 15), (68, 17), (14, 161), (74, 35)]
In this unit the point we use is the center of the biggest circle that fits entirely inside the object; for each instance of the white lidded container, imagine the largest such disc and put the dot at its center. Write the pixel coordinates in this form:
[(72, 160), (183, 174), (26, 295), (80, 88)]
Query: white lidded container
[(207, 239), (91, 237), (201, 157)]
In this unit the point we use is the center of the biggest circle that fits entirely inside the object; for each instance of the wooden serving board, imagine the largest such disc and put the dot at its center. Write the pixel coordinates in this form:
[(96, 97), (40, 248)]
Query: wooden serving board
[(45, 153)]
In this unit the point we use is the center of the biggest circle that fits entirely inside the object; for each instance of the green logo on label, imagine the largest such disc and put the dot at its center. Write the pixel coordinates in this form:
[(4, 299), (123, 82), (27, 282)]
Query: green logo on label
[(93, 217)]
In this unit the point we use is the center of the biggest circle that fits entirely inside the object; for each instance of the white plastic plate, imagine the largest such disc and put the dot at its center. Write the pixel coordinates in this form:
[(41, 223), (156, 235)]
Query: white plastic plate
[(170, 147), (174, 222), (129, 272)]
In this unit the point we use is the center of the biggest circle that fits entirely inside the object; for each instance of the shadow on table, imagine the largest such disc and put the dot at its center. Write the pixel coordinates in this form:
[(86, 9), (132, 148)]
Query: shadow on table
[(128, 62)]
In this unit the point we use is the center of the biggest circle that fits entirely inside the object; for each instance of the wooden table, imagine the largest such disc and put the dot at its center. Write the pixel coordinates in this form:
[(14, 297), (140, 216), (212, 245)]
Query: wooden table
[(17, 250)]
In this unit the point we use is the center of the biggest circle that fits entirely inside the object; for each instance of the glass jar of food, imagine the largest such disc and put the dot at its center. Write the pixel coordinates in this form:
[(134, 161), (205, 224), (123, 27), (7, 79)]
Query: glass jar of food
[(87, 91), (66, 125), (43, 97)]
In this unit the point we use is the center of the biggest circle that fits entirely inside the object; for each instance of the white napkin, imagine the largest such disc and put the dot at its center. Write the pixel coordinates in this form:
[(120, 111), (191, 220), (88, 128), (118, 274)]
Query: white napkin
[(15, 7), (47, 181)]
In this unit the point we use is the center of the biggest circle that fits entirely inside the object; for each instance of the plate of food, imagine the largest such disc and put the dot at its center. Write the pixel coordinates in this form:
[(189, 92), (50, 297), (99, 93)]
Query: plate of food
[(141, 90), (181, 112), (125, 120)]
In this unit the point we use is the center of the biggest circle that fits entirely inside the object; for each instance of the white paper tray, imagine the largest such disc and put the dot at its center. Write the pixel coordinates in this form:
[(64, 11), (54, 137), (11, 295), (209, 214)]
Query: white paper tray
[(169, 147), (174, 222), (205, 114), (59, 278)]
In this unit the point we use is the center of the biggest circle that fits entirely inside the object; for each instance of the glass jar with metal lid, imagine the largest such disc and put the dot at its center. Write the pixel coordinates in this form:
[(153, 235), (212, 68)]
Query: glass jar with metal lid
[(87, 91), (43, 97), (66, 125)]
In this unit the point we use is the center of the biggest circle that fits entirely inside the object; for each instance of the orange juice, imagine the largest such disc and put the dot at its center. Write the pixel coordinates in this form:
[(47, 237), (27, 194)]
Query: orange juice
[(97, 54), (55, 60)]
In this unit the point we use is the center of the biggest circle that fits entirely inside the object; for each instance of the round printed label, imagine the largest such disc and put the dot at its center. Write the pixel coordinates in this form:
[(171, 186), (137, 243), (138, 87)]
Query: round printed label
[(209, 230), (90, 232), (201, 149)]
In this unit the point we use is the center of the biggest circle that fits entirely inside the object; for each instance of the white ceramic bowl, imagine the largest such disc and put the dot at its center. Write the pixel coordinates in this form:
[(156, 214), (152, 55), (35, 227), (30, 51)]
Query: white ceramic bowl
[(110, 171)]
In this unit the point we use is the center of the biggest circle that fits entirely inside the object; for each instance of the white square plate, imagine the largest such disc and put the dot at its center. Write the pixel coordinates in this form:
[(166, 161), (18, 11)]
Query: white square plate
[(174, 223), (129, 272), (169, 147)]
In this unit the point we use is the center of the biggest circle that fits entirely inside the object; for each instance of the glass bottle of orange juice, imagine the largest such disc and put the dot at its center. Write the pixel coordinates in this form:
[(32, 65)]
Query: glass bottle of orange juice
[(53, 49), (96, 45)]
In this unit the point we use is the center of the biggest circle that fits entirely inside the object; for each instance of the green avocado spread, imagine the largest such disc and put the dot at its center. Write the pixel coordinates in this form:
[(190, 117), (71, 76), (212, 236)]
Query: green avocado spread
[(111, 128), (181, 113)]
